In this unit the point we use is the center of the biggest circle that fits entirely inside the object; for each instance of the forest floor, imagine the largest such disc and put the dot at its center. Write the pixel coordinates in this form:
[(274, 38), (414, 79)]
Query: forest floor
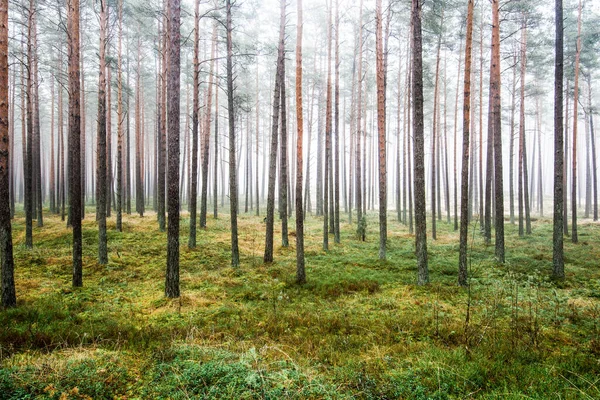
[(360, 328)]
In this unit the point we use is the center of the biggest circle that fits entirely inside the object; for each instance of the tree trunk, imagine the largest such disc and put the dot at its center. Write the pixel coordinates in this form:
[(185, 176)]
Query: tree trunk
[(419, 147), (101, 203), (120, 119), (173, 86), (381, 132), (75, 134), (206, 133), (195, 110), (283, 176), (558, 267), (300, 271), (593, 142), (497, 121), (574, 235), (233, 195), (270, 219), (9, 298), (464, 189)]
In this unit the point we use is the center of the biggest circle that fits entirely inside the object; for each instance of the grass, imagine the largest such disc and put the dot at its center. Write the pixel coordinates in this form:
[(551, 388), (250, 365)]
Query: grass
[(360, 328)]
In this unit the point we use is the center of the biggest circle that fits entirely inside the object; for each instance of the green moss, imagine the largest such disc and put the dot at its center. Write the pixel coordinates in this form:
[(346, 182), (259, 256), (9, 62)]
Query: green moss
[(359, 328)]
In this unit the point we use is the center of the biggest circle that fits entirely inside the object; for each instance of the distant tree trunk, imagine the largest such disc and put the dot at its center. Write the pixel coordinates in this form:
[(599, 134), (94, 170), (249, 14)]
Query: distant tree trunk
[(419, 149), (359, 175), (162, 130), (109, 166), (268, 256), (216, 165), (11, 132), (511, 153), (9, 298), (257, 109), (593, 142), (75, 134), (233, 195), (52, 185), (336, 110), (206, 133), (283, 175), (327, 183), (300, 271), (381, 133), (173, 86), (523, 183), (497, 121), (456, 133), (565, 192), (120, 119), (36, 162), (464, 189), (195, 110), (101, 189), (28, 159), (128, 148), (558, 267), (139, 150), (574, 235), (434, 136)]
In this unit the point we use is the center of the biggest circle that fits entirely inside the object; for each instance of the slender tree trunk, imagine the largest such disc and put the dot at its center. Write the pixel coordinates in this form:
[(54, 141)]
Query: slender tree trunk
[(381, 133), (464, 189), (511, 154), (233, 195), (195, 110), (216, 161), (574, 233), (300, 270), (173, 94), (327, 183), (9, 298), (101, 203), (434, 137), (497, 124), (75, 134), (419, 150), (359, 172), (206, 134), (558, 267), (283, 175), (120, 118), (270, 219), (162, 130), (593, 149)]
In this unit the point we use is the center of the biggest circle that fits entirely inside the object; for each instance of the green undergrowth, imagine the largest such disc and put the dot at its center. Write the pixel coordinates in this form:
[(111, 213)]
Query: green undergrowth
[(359, 328)]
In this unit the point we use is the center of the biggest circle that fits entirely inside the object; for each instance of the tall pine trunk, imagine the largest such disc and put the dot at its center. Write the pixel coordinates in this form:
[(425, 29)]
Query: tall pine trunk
[(7, 266), (558, 266), (419, 146), (173, 88)]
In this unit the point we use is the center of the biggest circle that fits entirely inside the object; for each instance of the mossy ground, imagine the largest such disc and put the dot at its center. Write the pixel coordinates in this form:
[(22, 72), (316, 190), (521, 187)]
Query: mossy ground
[(360, 327)]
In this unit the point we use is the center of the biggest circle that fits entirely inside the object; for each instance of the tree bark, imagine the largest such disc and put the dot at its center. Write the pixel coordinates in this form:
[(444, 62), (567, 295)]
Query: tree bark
[(173, 93), (9, 298), (233, 195), (270, 219), (464, 189), (381, 132), (574, 233), (195, 110), (300, 268), (101, 189), (419, 146), (558, 268), (74, 134)]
